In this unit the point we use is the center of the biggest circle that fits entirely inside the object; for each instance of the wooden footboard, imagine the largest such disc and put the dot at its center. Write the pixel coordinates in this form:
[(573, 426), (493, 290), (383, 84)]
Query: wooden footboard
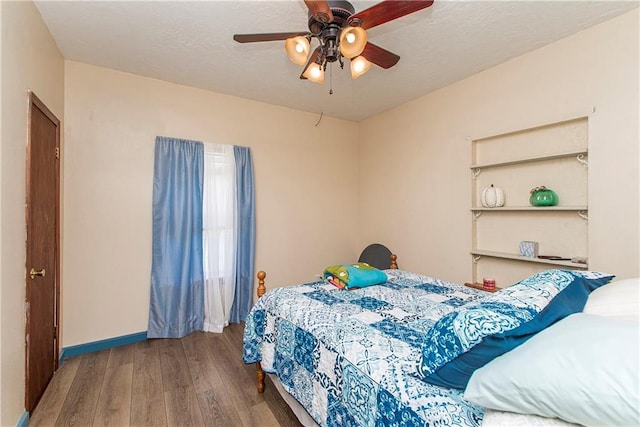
[(261, 290)]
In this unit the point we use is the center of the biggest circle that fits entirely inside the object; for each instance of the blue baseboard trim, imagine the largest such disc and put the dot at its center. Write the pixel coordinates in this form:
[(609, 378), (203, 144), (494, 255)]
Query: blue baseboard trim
[(24, 420), (76, 350)]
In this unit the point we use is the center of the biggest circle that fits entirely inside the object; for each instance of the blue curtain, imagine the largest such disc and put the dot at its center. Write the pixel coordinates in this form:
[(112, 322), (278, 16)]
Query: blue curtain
[(177, 277), (246, 238)]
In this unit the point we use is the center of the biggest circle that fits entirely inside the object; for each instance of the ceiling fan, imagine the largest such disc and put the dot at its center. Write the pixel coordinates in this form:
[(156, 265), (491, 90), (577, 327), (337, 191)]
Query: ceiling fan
[(341, 33)]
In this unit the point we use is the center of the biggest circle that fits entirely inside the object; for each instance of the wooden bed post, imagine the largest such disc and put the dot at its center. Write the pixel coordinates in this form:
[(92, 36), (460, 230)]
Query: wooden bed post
[(260, 377), (394, 264), (259, 372), (261, 288)]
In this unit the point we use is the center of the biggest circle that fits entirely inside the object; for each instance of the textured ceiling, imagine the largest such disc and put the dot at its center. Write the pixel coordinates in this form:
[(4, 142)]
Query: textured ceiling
[(191, 43)]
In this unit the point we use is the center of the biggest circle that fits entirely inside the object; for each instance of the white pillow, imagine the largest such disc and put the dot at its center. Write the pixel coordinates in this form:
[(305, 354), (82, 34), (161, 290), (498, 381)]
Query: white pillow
[(583, 369), (620, 298)]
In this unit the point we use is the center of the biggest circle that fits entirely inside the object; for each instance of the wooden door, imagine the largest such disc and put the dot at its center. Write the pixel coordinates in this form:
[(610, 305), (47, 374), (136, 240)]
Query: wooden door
[(43, 255)]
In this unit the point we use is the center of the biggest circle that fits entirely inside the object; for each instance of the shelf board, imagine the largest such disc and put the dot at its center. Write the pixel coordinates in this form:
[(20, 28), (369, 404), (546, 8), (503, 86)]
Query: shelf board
[(532, 208), (481, 287), (530, 159), (533, 128), (515, 257)]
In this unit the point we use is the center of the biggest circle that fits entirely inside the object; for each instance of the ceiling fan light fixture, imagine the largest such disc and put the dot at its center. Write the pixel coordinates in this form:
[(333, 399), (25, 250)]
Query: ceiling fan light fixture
[(341, 33), (297, 49), (359, 66), (315, 73), (352, 41)]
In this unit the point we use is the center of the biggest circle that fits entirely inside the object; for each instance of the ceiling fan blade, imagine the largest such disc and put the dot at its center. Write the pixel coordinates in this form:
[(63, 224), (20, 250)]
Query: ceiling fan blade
[(311, 60), (379, 56), (266, 37), (388, 10), (320, 10)]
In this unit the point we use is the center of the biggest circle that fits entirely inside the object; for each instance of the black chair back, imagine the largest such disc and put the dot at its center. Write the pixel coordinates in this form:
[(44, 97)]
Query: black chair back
[(376, 255)]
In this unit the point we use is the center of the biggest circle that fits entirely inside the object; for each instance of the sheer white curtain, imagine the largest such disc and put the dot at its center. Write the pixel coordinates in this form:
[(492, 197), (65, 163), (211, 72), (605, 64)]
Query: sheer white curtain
[(219, 234)]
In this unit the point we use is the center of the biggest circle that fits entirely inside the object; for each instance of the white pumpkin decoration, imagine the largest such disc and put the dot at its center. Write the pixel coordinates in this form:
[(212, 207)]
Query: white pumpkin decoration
[(492, 197)]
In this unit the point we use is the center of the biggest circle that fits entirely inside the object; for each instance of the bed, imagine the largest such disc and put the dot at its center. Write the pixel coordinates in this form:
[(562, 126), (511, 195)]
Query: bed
[(394, 354)]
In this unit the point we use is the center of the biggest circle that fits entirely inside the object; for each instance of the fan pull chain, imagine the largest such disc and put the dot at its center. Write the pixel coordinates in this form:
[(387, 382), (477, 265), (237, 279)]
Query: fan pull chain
[(330, 79)]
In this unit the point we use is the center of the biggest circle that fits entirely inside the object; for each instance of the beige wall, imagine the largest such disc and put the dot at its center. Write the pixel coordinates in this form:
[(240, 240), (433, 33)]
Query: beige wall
[(30, 61), (306, 189), (420, 206)]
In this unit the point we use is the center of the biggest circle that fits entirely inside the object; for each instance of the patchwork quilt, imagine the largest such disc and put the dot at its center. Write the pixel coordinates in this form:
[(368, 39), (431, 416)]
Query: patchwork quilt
[(351, 357)]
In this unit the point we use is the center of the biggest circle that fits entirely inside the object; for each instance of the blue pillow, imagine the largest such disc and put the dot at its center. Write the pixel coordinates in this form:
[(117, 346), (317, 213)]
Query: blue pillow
[(470, 337)]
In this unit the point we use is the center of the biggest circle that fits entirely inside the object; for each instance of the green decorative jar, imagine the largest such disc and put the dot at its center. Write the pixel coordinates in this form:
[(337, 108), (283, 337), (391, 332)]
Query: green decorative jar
[(542, 196)]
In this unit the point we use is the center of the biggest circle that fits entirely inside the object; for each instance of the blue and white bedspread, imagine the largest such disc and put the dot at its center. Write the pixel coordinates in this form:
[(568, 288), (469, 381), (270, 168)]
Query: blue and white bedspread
[(351, 357)]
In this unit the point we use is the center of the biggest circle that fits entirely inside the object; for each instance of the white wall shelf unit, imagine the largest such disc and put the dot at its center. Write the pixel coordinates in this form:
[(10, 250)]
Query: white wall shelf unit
[(554, 155)]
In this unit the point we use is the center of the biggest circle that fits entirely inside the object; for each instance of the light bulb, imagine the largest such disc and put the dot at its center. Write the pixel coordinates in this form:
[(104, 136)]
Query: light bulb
[(359, 66), (314, 72), (297, 49), (352, 41)]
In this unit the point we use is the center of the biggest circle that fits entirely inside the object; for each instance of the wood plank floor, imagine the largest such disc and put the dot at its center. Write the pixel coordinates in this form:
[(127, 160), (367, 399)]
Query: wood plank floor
[(198, 380)]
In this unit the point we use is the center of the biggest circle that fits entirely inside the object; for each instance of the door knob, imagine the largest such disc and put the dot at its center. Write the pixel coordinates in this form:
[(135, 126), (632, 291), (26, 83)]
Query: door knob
[(33, 273)]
